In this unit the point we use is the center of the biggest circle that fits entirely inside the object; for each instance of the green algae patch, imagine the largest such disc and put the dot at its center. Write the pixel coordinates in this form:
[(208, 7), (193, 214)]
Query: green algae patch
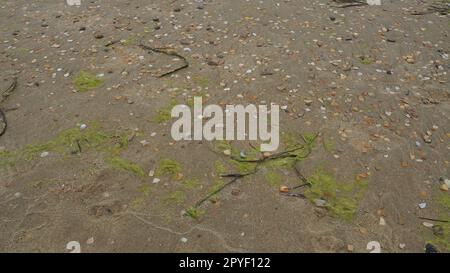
[(23, 50), (177, 197), (201, 81), (247, 162), (290, 140), (7, 159), (126, 165), (244, 167), (444, 199), (67, 142), (342, 199), (75, 141), (213, 190), (45, 183), (146, 189), (165, 114), (365, 60), (192, 183), (130, 41), (310, 139), (219, 167), (274, 179), (299, 148), (194, 213), (221, 146), (329, 145), (168, 167), (442, 237), (217, 185), (138, 203), (85, 81)]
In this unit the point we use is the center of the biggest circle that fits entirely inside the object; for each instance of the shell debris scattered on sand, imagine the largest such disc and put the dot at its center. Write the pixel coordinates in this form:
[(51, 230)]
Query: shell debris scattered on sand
[(73, 2), (374, 2)]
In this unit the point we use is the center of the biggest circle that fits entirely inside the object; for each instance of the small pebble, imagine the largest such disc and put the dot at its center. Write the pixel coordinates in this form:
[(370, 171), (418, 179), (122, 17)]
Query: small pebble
[(410, 59), (429, 248), (438, 230), (427, 139), (144, 142), (90, 241), (350, 248), (235, 192), (447, 182), (320, 202)]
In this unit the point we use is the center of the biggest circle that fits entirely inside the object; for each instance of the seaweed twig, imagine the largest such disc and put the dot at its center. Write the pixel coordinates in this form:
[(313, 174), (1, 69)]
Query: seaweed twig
[(441, 8), (284, 154), (4, 95), (435, 220), (3, 120), (302, 178), (351, 4), (236, 176), (168, 52), (279, 155), (113, 42)]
